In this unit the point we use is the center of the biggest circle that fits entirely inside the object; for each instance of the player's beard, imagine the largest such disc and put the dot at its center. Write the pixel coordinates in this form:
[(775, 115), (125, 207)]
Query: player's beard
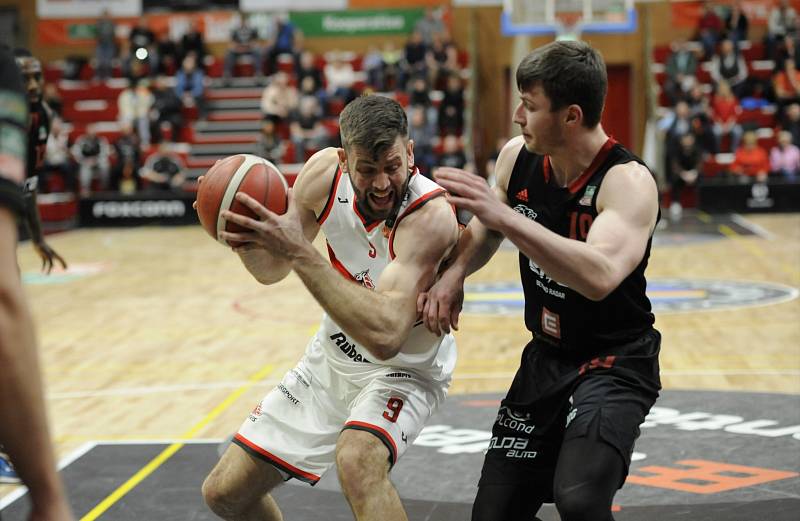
[(368, 210)]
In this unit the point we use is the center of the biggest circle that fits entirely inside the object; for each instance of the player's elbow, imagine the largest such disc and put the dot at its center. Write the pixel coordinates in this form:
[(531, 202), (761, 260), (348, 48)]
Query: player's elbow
[(385, 345), (598, 288)]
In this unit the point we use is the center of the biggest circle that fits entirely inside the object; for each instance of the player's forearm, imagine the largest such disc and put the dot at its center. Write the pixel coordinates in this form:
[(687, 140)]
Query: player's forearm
[(265, 268), (475, 248), (32, 219), (375, 320), (573, 263)]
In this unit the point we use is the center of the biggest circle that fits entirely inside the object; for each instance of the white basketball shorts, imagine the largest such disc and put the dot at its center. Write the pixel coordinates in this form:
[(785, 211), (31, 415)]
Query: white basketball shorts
[(296, 426)]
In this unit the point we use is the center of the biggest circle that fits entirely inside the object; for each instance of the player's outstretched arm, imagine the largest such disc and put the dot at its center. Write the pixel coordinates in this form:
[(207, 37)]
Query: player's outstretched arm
[(440, 306)]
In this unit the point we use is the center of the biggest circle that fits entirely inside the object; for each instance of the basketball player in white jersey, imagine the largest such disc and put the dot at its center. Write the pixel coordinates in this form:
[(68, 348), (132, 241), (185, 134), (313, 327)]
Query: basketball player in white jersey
[(372, 375)]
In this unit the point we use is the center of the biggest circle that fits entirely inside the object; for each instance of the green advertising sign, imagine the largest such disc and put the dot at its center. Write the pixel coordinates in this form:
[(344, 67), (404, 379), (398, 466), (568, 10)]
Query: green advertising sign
[(362, 22), (81, 31)]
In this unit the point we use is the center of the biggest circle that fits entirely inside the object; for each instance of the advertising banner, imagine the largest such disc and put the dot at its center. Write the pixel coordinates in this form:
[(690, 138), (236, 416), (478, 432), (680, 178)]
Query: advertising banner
[(87, 8), (362, 22), (291, 5)]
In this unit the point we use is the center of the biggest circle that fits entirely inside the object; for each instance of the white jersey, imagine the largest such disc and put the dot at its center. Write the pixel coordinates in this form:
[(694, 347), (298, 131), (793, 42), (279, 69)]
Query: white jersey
[(360, 252)]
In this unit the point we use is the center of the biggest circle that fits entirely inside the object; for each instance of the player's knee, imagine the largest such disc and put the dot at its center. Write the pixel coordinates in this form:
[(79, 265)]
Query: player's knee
[(581, 502), (221, 499), (362, 463)]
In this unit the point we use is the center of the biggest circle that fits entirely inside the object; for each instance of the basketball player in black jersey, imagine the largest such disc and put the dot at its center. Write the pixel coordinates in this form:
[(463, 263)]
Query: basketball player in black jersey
[(38, 131), (23, 422), (581, 209)]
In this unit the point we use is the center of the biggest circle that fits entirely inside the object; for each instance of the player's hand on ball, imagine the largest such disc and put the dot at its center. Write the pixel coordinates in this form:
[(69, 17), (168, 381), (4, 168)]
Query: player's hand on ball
[(281, 235)]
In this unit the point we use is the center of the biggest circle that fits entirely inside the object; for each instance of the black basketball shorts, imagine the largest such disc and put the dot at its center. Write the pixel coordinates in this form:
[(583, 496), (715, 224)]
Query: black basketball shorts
[(554, 398)]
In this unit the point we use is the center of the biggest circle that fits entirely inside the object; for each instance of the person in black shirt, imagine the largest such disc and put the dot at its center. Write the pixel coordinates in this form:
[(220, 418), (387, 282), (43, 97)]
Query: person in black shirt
[(38, 131), (582, 210), (193, 42)]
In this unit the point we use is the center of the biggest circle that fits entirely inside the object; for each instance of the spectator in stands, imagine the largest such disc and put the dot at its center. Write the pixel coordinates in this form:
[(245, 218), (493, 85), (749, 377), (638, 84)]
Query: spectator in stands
[(491, 162), (436, 62), (451, 109), (681, 70), (307, 131), (392, 61), (164, 170), (279, 98), (725, 112), (125, 173), (57, 159), (413, 62), (142, 46), (782, 21), (106, 46), (244, 42), (787, 51), (452, 64), (683, 171), (790, 121), (452, 153), (729, 65), (270, 145), (751, 162), (167, 111), (784, 158), (284, 42), (425, 136), (341, 78), (307, 66), (134, 104), (190, 85), (91, 152), (167, 53), (709, 28), (697, 100), (193, 42), (787, 86), (736, 23), (430, 25), (373, 67)]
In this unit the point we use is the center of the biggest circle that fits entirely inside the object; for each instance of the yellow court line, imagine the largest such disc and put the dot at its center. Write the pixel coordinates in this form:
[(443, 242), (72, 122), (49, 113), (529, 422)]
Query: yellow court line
[(167, 453), (728, 232)]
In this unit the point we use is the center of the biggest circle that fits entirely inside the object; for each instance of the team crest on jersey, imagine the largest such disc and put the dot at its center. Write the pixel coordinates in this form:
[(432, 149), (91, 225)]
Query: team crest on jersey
[(365, 280), (586, 200), (527, 212)]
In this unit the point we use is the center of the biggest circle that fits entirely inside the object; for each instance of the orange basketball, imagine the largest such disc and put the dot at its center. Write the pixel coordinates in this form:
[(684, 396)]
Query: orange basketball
[(246, 173)]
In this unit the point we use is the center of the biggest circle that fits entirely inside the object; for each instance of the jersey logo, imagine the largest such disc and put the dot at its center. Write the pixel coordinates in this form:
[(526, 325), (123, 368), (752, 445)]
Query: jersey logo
[(522, 195), (372, 252), (586, 200), (527, 212), (551, 323), (365, 280), (343, 200)]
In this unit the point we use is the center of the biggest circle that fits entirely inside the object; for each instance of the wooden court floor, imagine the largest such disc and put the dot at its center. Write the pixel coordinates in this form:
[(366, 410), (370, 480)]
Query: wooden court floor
[(160, 334)]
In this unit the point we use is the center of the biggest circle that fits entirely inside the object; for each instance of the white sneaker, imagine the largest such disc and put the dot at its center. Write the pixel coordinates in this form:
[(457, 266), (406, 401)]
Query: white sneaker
[(675, 211)]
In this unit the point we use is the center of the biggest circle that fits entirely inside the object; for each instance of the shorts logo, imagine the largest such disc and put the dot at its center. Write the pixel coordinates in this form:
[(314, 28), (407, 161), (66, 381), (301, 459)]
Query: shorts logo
[(256, 413), (288, 394), (516, 447), (300, 377), (348, 348), (398, 375), (514, 420), (364, 278), (551, 323)]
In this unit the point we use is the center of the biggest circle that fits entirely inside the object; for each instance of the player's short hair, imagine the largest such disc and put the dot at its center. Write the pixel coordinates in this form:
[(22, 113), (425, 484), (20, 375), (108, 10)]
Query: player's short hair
[(372, 123), (569, 72)]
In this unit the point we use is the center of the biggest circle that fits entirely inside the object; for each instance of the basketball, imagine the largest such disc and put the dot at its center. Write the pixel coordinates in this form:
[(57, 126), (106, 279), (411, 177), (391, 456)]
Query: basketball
[(245, 173)]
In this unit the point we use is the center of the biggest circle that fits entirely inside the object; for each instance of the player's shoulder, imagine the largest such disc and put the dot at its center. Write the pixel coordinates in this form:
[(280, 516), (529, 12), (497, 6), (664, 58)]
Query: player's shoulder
[(624, 180), (506, 160), (313, 183), (435, 220)]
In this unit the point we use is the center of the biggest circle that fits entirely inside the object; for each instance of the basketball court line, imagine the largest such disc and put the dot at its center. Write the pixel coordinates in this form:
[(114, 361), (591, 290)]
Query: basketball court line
[(141, 391), (755, 250), (746, 223), (167, 453)]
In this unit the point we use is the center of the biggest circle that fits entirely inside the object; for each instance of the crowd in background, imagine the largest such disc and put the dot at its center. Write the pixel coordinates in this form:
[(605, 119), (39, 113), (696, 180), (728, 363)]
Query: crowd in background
[(168, 80), (705, 118)]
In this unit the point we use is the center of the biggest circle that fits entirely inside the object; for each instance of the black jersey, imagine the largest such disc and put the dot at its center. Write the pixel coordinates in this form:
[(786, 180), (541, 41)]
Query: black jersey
[(38, 132), (553, 311)]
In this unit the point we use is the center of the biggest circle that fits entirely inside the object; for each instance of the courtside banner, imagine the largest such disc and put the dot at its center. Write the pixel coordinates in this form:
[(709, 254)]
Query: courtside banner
[(152, 208), (291, 5), (358, 22), (87, 8)]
